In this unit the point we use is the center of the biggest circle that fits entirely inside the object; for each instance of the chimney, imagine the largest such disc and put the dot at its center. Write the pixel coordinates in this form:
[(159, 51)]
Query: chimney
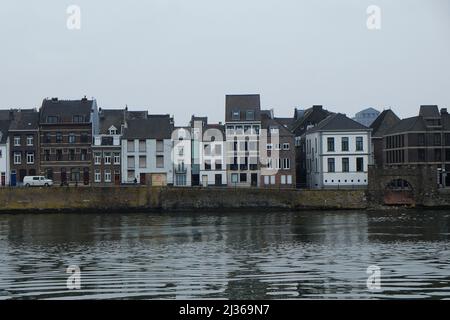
[(84, 99), (317, 107)]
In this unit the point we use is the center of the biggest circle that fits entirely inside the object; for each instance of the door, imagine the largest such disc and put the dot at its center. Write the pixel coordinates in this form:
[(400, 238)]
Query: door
[(142, 178), (3, 179), (254, 179), (116, 178), (218, 179), (13, 179), (86, 176), (63, 176), (22, 174), (205, 181)]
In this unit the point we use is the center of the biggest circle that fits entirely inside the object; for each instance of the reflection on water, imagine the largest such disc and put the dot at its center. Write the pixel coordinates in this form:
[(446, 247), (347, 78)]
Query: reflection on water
[(234, 256)]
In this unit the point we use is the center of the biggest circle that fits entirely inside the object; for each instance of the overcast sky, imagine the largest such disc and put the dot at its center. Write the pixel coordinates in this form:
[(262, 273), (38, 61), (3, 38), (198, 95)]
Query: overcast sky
[(183, 56)]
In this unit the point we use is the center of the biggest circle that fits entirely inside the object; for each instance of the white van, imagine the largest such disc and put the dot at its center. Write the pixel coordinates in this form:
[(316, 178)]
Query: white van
[(37, 181)]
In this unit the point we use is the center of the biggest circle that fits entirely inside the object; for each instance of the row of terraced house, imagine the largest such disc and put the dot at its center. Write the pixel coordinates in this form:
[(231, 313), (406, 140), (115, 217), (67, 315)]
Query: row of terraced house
[(75, 142)]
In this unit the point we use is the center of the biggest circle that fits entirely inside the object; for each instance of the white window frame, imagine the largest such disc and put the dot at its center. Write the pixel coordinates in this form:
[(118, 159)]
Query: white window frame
[(107, 175), (17, 141), (97, 158), (107, 157), (97, 176), (30, 157), (17, 158), (116, 157), (30, 140)]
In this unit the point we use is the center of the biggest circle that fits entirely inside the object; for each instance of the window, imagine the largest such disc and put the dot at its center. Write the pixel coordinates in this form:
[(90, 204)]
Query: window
[(207, 150), (30, 140), (75, 174), (345, 165), (83, 154), (160, 161), (266, 180), (274, 130), (97, 158), (116, 158), (421, 139), (78, 119), (130, 162), (107, 175), (59, 155), (218, 165), (359, 164), (17, 141), (30, 157), (142, 146), (272, 179), (113, 131), (286, 163), (59, 137), (52, 119), (130, 145), (269, 163), (217, 150), (243, 177), (359, 144), (330, 144), (72, 154), (47, 137), (97, 176), (107, 156), (230, 129), (422, 155), (207, 164), (235, 115), (256, 129), (159, 146), (286, 146), (283, 179), (71, 137), (84, 137), (142, 162), (289, 179), (331, 167), (239, 130), (250, 115), (234, 178), (269, 146), (17, 158), (344, 144)]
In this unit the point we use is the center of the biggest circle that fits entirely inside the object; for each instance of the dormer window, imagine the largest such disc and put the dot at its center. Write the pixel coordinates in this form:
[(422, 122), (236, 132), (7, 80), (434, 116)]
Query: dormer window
[(113, 131), (78, 119), (52, 119), (236, 115), (274, 130), (250, 115)]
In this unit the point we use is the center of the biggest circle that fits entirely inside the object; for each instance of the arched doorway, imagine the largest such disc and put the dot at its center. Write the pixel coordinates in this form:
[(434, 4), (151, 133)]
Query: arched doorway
[(399, 192)]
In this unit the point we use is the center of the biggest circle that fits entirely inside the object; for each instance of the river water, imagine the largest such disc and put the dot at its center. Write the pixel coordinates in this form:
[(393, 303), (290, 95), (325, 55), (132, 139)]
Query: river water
[(274, 255)]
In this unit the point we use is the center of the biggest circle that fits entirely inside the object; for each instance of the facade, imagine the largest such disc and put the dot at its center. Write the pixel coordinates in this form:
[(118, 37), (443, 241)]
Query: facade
[(243, 126), (213, 156), (420, 140), (66, 130), (182, 156), (147, 151), (4, 153), (303, 120), (338, 152), (24, 145), (367, 116), (107, 144), (278, 162), (384, 122)]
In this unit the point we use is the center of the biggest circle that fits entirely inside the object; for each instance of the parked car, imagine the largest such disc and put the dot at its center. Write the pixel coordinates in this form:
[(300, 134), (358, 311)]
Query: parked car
[(37, 181)]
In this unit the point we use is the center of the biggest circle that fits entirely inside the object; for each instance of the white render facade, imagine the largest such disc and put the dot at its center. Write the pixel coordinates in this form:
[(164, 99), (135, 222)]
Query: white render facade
[(147, 161), (338, 159), (182, 157), (4, 164), (213, 162)]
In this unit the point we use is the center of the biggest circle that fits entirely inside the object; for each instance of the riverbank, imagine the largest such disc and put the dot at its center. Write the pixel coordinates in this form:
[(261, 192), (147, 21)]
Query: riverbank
[(126, 199)]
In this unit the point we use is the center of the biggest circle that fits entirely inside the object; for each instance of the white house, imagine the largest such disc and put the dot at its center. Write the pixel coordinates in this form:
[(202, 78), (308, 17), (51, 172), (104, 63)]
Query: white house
[(182, 157), (4, 153), (213, 170), (338, 153), (147, 151)]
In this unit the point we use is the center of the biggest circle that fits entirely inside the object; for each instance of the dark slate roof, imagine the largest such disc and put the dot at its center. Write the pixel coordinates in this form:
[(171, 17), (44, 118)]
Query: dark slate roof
[(109, 118), (310, 116), (25, 120), (267, 122), (65, 110), (286, 122), (429, 111), (154, 127), (4, 127), (242, 103), (414, 123), (337, 122), (5, 114), (384, 122)]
